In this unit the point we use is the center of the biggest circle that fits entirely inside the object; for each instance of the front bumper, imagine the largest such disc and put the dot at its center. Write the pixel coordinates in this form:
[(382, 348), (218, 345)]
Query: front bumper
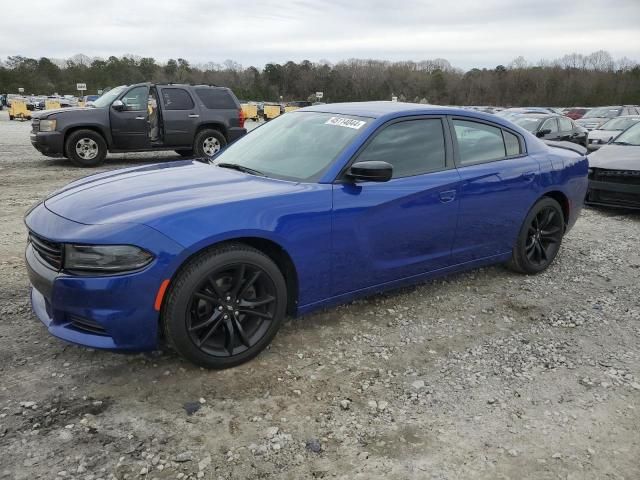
[(614, 188), (114, 312), (48, 143)]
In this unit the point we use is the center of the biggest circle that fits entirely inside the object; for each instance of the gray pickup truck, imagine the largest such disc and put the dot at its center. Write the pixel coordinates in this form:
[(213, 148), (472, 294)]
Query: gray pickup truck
[(193, 120)]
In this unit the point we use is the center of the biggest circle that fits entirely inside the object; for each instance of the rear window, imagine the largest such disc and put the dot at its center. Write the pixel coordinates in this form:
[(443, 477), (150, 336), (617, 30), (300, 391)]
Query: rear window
[(216, 98)]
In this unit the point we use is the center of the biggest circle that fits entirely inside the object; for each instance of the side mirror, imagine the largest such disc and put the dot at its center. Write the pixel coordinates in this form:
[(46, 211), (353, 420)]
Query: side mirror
[(371, 171), (542, 133), (118, 105)]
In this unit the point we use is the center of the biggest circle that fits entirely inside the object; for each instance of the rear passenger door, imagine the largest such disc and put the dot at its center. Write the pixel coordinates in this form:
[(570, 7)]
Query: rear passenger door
[(179, 116), (498, 186)]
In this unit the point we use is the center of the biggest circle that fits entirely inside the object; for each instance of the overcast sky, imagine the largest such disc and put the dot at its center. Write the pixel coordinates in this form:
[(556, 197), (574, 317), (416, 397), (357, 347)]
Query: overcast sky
[(468, 33)]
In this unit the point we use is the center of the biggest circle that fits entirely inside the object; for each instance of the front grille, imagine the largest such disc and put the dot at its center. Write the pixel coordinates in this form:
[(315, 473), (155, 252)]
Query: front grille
[(35, 125), (86, 325), (627, 177), (50, 252)]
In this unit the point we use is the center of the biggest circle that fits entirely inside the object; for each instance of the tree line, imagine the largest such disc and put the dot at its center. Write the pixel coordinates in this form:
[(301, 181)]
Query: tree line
[(574, 79)]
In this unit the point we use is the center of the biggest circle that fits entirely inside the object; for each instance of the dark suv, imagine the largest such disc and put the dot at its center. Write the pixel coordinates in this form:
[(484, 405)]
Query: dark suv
[(193, 120)]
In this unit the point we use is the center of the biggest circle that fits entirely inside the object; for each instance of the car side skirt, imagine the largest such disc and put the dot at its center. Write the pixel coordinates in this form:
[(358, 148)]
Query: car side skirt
[(415, 279)]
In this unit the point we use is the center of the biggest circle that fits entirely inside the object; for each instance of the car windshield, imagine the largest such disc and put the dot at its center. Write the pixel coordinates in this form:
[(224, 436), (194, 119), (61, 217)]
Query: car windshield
[(108, 97), (620, 123), (528, 123), (297, 146), (603, 112), (629, 137)]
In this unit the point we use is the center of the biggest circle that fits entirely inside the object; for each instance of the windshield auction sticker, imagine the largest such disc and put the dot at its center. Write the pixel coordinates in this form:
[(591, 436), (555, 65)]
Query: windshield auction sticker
[(345, 122)]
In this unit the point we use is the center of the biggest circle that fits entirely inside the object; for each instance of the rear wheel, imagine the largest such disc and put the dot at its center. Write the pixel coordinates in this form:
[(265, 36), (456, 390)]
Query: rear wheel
[(225, 306), (86, 148), (208, 143), (540, 237)]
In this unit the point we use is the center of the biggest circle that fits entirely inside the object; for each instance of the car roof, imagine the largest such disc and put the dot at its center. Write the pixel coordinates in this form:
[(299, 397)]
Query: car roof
[(384, 108)]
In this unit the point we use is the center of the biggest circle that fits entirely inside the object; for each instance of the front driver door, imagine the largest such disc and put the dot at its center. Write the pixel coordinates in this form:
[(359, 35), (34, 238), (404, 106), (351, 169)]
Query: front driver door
[(129, 126), (404, 227)]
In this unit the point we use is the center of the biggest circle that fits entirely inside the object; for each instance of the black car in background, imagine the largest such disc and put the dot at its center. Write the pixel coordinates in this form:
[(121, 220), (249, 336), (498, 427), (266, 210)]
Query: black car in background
[(193, 120), (552, 127)]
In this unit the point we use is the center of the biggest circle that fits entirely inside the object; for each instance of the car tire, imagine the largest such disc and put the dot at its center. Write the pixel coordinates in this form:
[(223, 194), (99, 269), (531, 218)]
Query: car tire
[(540, 237), (185, 153), (225, 306), (85, 148), (11, 117), (208, 143)]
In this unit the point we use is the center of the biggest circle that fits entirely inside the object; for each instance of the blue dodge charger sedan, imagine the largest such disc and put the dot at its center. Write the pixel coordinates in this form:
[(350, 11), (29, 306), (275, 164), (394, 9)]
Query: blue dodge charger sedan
[(318, 207)]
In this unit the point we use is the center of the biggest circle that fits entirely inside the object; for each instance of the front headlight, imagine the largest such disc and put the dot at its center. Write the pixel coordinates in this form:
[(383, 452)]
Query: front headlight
[(105, 258), (47, 125)]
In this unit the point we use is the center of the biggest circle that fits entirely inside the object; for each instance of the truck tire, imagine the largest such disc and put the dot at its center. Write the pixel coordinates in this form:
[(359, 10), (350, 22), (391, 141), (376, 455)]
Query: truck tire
[(208, 143), (85, 148)]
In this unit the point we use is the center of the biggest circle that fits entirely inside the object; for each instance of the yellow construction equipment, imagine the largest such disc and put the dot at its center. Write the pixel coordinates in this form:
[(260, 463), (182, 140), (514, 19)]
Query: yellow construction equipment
[(250, 111), (271, 111), (290, 108), (18, 109), (51, 104)]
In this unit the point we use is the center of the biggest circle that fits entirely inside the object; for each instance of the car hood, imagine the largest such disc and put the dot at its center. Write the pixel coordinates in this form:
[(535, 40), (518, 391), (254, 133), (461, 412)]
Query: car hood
[(616, 157), (58, 111), (144, 194), (607, 134)]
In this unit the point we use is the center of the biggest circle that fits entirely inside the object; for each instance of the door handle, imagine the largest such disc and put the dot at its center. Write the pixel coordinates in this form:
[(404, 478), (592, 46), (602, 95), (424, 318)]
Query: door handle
[(193, 115), (140, 118), (447, 196)]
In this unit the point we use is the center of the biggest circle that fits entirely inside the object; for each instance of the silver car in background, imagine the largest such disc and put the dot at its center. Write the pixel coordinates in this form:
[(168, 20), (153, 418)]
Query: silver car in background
[(594, 118), (610, 130)]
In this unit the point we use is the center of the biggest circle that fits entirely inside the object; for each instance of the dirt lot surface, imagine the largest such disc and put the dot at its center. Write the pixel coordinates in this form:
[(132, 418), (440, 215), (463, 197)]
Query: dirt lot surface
[(488, 374)]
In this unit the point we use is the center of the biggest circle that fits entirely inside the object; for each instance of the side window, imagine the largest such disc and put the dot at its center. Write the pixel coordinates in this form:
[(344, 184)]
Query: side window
[(550, 124), (478, 142), (216, 98), (176, 99), (136, 99), (412, 147), (512, 144), (565, 124)]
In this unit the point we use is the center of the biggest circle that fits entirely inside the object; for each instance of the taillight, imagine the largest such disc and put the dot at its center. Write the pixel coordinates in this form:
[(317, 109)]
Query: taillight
[(241, 118)]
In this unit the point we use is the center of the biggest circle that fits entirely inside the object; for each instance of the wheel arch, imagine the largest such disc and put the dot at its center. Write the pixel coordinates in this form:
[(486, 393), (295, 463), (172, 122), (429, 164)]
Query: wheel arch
[(564, 202), (219, 126), (93, 128), (276, 252)]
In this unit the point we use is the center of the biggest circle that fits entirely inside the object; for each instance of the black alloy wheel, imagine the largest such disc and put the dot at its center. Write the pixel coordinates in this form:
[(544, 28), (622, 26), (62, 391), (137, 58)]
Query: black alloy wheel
[(231, 310), (540, 237), (543, 236), (225, 306)]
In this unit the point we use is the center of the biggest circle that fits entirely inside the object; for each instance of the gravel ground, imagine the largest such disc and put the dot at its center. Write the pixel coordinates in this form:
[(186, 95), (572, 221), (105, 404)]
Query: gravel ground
[(486, 374)]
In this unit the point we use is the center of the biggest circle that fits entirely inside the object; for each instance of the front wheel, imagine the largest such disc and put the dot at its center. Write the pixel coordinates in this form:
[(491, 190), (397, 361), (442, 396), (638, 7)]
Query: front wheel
[(225, 306), (540, 237), (208, 143), (86, 148)]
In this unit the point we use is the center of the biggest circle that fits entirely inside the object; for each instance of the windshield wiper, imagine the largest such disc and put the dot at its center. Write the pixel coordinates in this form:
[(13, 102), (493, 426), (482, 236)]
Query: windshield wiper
[(240, 168), (622, 143)]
